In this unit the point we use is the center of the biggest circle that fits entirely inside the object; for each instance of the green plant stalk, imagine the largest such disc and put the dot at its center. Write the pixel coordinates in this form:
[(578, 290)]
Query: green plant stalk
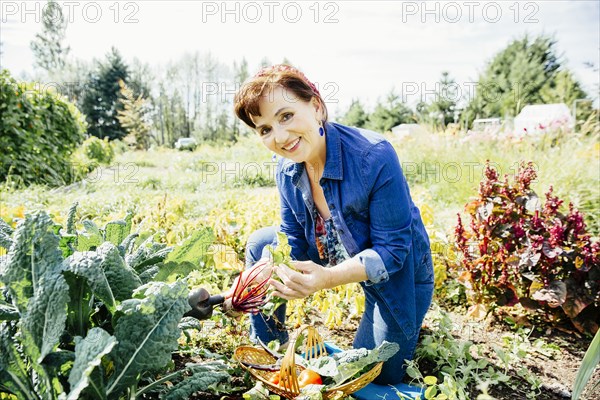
[(588, 364), (80, 310), (132, 390)]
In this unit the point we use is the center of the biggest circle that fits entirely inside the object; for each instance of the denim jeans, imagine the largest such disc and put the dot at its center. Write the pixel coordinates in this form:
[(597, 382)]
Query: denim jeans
[(377, 323)]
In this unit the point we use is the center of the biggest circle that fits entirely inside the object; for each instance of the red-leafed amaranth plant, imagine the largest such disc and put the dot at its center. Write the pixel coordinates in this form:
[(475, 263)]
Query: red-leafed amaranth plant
[(516, 250)]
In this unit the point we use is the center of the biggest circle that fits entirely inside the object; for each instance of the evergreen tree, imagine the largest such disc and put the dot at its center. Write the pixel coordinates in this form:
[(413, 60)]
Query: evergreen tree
[(526, 72), (389, 114), (445, 99), (356, 115), (48, 50), (101, 102), (564, 88), (440, 112)]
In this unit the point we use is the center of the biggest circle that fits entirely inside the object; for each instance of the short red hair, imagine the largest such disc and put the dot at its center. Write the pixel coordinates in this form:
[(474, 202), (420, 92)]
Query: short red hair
[(248, 97)]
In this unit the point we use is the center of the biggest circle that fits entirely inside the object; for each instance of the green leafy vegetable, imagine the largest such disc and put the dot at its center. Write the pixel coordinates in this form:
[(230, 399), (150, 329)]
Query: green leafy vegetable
[(8, 312), (44, 320), (90, 238), (383, 352), (203, 378), (5, 234), (88, 355), (281, 255), (324, 366), (260, 392), (147, 331), (88, 265), (147, 254), (116, 231), (71, 218), (33, 253), (50, 305), (311, 392), (344, 365), (188, 257), (352, 355), (13, 369), (122, 279)]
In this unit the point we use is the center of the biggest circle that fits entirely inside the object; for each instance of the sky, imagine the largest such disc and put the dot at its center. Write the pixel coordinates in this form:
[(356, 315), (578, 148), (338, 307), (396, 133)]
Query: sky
[(350, 49)]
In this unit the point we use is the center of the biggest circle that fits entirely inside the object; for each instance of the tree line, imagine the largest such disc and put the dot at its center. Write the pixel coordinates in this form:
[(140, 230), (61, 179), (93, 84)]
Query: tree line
[(527, 71), (192, 97)]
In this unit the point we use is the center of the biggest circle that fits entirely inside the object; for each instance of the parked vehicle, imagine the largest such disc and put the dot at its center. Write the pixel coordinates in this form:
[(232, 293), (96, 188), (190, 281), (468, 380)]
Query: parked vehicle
[(186, 144)]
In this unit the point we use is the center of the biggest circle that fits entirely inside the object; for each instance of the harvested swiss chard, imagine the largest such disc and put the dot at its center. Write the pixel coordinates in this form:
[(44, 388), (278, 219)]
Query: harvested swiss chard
[(250, 293), (347, 364), (281, 255)]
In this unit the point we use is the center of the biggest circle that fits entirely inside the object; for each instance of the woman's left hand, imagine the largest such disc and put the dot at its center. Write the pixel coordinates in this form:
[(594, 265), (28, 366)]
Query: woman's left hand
[(308, 279)]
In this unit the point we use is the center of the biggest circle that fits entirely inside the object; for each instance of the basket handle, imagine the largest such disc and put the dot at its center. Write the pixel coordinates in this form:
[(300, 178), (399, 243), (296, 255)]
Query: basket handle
[(314, 349), (288, 374), (314, 343)]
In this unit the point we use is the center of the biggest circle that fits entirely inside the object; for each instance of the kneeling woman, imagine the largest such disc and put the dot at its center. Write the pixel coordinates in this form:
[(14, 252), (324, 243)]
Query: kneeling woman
[(347, 212)]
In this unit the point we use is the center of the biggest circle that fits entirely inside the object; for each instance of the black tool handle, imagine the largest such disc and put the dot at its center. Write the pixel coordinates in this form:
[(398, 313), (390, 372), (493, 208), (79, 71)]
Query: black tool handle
[(202, 303), (216, 299)]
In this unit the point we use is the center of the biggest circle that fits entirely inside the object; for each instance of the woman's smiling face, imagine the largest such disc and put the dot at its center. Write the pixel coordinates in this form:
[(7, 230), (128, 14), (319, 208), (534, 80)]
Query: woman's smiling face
[(289, 126)]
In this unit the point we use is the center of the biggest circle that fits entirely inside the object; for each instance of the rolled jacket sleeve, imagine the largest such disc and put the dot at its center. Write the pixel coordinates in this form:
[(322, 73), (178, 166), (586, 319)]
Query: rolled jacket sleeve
[(389, 212), (374, 266)]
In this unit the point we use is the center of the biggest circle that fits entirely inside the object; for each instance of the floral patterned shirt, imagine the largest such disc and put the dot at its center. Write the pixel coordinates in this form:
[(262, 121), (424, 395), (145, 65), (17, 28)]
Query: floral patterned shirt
[(331, 250)]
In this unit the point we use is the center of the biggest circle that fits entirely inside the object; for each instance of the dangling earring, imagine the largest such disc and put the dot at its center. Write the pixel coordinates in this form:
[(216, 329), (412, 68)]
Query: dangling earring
[(274, 157), (321, 130)]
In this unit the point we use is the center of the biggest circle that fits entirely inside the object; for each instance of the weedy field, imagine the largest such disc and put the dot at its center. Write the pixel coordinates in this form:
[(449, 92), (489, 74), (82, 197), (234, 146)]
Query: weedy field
[(222, 194)]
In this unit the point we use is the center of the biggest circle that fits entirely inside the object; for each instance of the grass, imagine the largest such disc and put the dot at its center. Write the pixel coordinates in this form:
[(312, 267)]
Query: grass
[(161, 186), (446, 170), (443, 173)]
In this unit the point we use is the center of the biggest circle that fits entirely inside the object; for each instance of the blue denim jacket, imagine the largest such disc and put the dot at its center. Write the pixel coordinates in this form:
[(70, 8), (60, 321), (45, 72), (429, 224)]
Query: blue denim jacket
[(372, 210)]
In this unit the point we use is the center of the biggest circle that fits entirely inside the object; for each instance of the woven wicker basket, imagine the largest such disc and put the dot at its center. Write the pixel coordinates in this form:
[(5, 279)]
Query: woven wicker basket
[(255, 355)]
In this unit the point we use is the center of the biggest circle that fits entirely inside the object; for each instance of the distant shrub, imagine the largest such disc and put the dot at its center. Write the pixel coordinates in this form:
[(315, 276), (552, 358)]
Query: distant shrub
[(517, 250), (39, 130), (92, 153), (119, 146), (98, 150)]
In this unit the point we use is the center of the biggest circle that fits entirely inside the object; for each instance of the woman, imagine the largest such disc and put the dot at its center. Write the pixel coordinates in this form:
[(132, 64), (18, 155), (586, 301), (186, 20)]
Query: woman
[(347, 212)]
